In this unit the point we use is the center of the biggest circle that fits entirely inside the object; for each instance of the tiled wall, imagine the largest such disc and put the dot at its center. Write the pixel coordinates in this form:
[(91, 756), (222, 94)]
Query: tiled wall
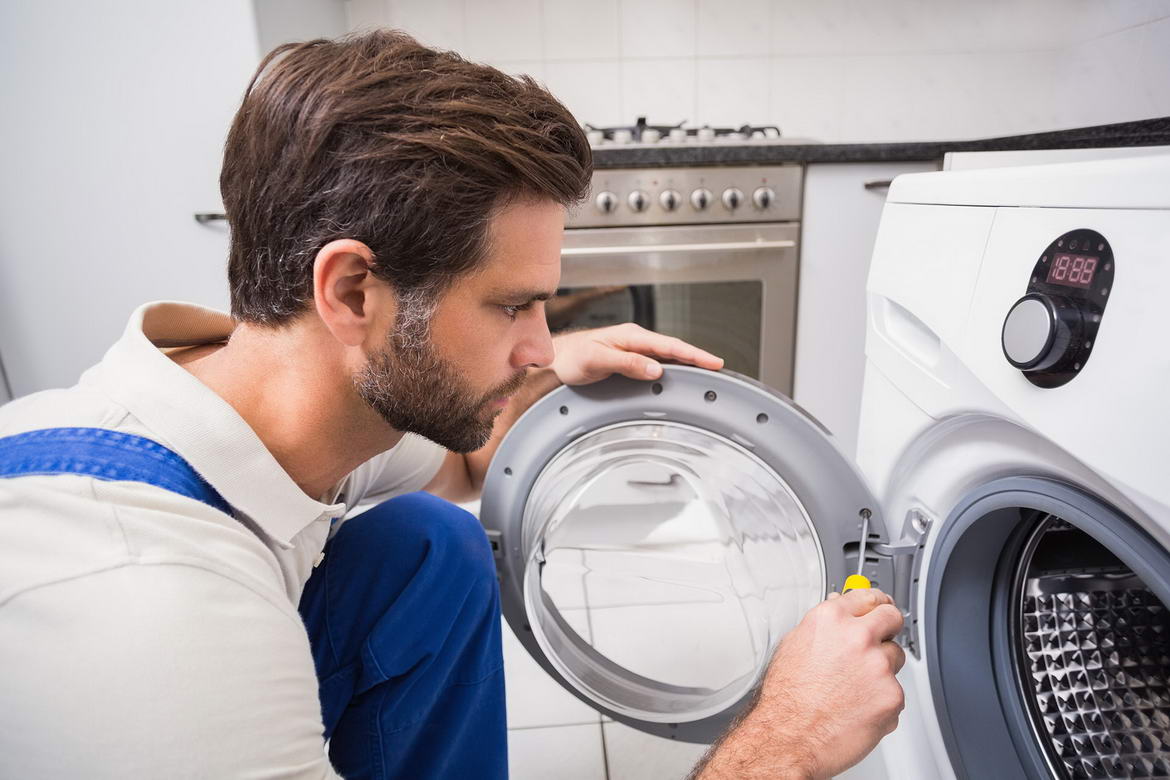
[(835, 70)]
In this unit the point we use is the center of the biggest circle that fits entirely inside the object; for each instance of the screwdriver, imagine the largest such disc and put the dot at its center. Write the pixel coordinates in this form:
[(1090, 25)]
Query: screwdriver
[(859, 581)]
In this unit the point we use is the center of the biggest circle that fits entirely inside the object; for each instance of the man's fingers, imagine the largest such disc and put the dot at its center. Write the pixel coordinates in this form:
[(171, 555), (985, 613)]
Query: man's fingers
[(647, 342), (631, 364), (885, 621), (894, 654), (863, 601)]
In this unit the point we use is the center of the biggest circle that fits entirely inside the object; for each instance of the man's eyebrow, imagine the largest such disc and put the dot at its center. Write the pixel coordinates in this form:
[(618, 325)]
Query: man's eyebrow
[(524, 296)]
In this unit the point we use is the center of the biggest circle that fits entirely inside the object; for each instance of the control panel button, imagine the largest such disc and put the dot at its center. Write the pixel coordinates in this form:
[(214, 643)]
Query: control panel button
[(1041, 332), (606, 202), (763, 197), (701, 199), (638, 201), (732, 198), (669, 200)]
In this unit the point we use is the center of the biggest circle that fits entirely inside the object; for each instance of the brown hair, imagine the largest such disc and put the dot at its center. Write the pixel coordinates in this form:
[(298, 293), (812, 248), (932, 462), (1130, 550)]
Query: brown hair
[(378, 138)]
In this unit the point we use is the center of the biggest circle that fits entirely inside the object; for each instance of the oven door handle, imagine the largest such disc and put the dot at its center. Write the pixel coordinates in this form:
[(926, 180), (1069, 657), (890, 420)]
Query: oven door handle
[(642, 249)]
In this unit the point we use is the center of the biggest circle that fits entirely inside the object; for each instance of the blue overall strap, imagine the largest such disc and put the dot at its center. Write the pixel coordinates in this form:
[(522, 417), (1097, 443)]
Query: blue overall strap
[(107, 455)]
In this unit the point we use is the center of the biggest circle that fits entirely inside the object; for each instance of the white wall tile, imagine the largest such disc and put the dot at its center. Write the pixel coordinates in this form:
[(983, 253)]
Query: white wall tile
[(565, 752), (535, 69), (503, 30), (1106, 17), (839, 70), (364, 14), (591, 90), (436, 23), (658, 28), (732, 92), (733, 28), (1154, 85), (663, 91), (575, 30), (533, 697), (807, 97), (1095, 83), (636, 755)]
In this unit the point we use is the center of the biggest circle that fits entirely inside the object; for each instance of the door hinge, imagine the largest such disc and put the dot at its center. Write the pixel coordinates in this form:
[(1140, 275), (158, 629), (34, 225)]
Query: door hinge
[(496, 540), (905, 558)]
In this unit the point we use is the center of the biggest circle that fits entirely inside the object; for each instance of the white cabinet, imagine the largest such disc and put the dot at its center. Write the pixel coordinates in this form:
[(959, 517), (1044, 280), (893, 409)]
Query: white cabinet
[(115, 118), (839, 225)]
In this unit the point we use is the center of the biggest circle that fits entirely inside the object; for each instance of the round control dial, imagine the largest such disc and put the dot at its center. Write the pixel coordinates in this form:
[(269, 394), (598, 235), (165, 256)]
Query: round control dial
[(701, 199), (732, 198), (606, 202), (638, 201), (1041, 332), (669, 200), (763, 197)]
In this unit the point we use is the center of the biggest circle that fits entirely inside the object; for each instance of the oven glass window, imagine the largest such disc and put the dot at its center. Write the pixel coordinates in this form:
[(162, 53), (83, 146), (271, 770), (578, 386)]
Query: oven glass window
[(664, 564), (723, 318)]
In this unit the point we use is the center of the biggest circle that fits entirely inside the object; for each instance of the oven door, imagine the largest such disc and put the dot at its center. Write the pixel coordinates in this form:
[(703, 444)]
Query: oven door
[(729, 289)]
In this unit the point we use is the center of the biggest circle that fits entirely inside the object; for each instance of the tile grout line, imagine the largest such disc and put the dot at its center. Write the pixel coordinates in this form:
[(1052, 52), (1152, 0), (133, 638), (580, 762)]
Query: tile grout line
[(555, 725), (604, 750)]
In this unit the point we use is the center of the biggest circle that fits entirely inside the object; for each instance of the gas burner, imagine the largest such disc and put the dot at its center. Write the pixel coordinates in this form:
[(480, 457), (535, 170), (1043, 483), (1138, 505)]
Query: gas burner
[(642, 133)]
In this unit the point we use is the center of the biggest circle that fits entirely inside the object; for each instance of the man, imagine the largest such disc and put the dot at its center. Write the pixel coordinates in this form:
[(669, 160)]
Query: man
[(213, 554)]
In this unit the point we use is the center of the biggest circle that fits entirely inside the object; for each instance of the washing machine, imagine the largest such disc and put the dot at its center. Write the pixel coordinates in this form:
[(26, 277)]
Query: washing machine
[(655, 540)]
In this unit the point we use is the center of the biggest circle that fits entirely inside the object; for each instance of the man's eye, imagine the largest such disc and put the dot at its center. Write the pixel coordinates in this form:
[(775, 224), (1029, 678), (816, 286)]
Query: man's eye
[(512, 311)]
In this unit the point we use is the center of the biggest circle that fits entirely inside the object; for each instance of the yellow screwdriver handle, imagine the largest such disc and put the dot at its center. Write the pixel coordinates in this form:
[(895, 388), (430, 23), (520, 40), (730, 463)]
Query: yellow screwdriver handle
[(855, 582)]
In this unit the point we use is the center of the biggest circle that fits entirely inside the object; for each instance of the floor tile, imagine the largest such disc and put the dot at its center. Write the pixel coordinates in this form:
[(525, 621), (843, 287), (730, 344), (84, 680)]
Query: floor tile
[(534, 697), (561, 752), (691, 645), (635, 755)]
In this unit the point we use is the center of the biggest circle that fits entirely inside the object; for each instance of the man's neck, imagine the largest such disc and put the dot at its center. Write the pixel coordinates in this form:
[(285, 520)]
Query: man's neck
[(296, 395)]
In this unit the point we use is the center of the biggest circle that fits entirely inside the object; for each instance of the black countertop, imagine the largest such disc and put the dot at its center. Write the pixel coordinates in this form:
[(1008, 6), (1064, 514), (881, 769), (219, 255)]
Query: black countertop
[(1145, 132)]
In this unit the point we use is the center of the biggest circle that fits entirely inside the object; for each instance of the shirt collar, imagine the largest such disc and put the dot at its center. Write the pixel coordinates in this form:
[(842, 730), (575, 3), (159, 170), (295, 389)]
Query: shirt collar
[(185, 415)]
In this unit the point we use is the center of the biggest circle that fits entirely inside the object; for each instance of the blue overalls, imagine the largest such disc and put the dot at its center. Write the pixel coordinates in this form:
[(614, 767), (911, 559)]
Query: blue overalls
[(403, 615)]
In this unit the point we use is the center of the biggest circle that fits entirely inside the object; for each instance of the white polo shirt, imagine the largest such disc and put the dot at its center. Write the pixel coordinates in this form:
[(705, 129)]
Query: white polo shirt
[(145, 634)]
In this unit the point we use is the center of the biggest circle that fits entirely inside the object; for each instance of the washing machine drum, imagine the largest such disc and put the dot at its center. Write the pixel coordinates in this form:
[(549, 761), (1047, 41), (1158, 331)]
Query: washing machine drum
[(656, 540), (1092, 657)]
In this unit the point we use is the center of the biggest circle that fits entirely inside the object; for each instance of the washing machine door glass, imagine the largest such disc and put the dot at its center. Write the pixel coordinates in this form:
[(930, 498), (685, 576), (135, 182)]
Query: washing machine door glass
[(663, 530), (652, 554)]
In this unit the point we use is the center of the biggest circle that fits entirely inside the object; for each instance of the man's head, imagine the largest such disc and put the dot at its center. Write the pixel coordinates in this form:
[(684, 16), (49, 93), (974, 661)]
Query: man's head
[(393, 190)]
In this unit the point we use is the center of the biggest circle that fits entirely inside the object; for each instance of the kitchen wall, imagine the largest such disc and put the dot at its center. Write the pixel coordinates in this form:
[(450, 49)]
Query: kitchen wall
[(834, 70)]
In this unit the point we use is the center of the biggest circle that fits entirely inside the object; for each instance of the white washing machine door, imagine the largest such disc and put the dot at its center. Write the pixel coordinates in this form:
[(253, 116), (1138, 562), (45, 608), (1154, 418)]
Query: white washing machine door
[(655, 540)]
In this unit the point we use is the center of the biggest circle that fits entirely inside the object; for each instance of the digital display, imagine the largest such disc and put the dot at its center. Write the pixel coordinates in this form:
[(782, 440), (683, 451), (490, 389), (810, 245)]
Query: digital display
[(1072, 270)]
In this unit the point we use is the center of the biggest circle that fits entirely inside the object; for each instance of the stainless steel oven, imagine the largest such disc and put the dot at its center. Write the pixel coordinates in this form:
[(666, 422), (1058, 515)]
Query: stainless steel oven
[(705, 254)]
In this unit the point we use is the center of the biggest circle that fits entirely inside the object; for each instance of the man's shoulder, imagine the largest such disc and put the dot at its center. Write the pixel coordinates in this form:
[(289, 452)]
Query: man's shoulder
[(80, 406)]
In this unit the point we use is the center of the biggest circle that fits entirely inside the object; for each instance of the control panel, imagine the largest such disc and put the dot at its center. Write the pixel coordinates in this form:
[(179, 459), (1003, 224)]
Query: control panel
[(1049, 333), (687, 196)]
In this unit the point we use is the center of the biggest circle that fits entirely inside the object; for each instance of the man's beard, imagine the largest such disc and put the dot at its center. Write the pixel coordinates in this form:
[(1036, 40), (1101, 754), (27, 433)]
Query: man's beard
[(417, 391)]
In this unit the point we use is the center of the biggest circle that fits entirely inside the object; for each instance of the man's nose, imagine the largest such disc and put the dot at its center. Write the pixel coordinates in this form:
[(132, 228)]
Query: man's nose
[(535, 348)]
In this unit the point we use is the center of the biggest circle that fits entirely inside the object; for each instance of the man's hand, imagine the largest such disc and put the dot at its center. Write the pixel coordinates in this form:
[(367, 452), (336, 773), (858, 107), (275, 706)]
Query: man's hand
[(587, 356), (828, 696)]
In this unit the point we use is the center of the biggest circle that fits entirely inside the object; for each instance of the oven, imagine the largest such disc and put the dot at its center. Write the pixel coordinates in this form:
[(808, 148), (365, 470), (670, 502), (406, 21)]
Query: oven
[(705, 254)]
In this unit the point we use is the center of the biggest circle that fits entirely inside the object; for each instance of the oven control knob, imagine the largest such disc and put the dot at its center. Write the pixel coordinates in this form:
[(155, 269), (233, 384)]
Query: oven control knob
[(732, 198), (606, 202), (669, 200), (701, 199), (638, 200), (1042, 332), (763, 197)]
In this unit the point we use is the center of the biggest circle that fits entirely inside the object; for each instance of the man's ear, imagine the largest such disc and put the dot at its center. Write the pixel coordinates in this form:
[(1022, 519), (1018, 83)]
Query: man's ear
[(349, 299)]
